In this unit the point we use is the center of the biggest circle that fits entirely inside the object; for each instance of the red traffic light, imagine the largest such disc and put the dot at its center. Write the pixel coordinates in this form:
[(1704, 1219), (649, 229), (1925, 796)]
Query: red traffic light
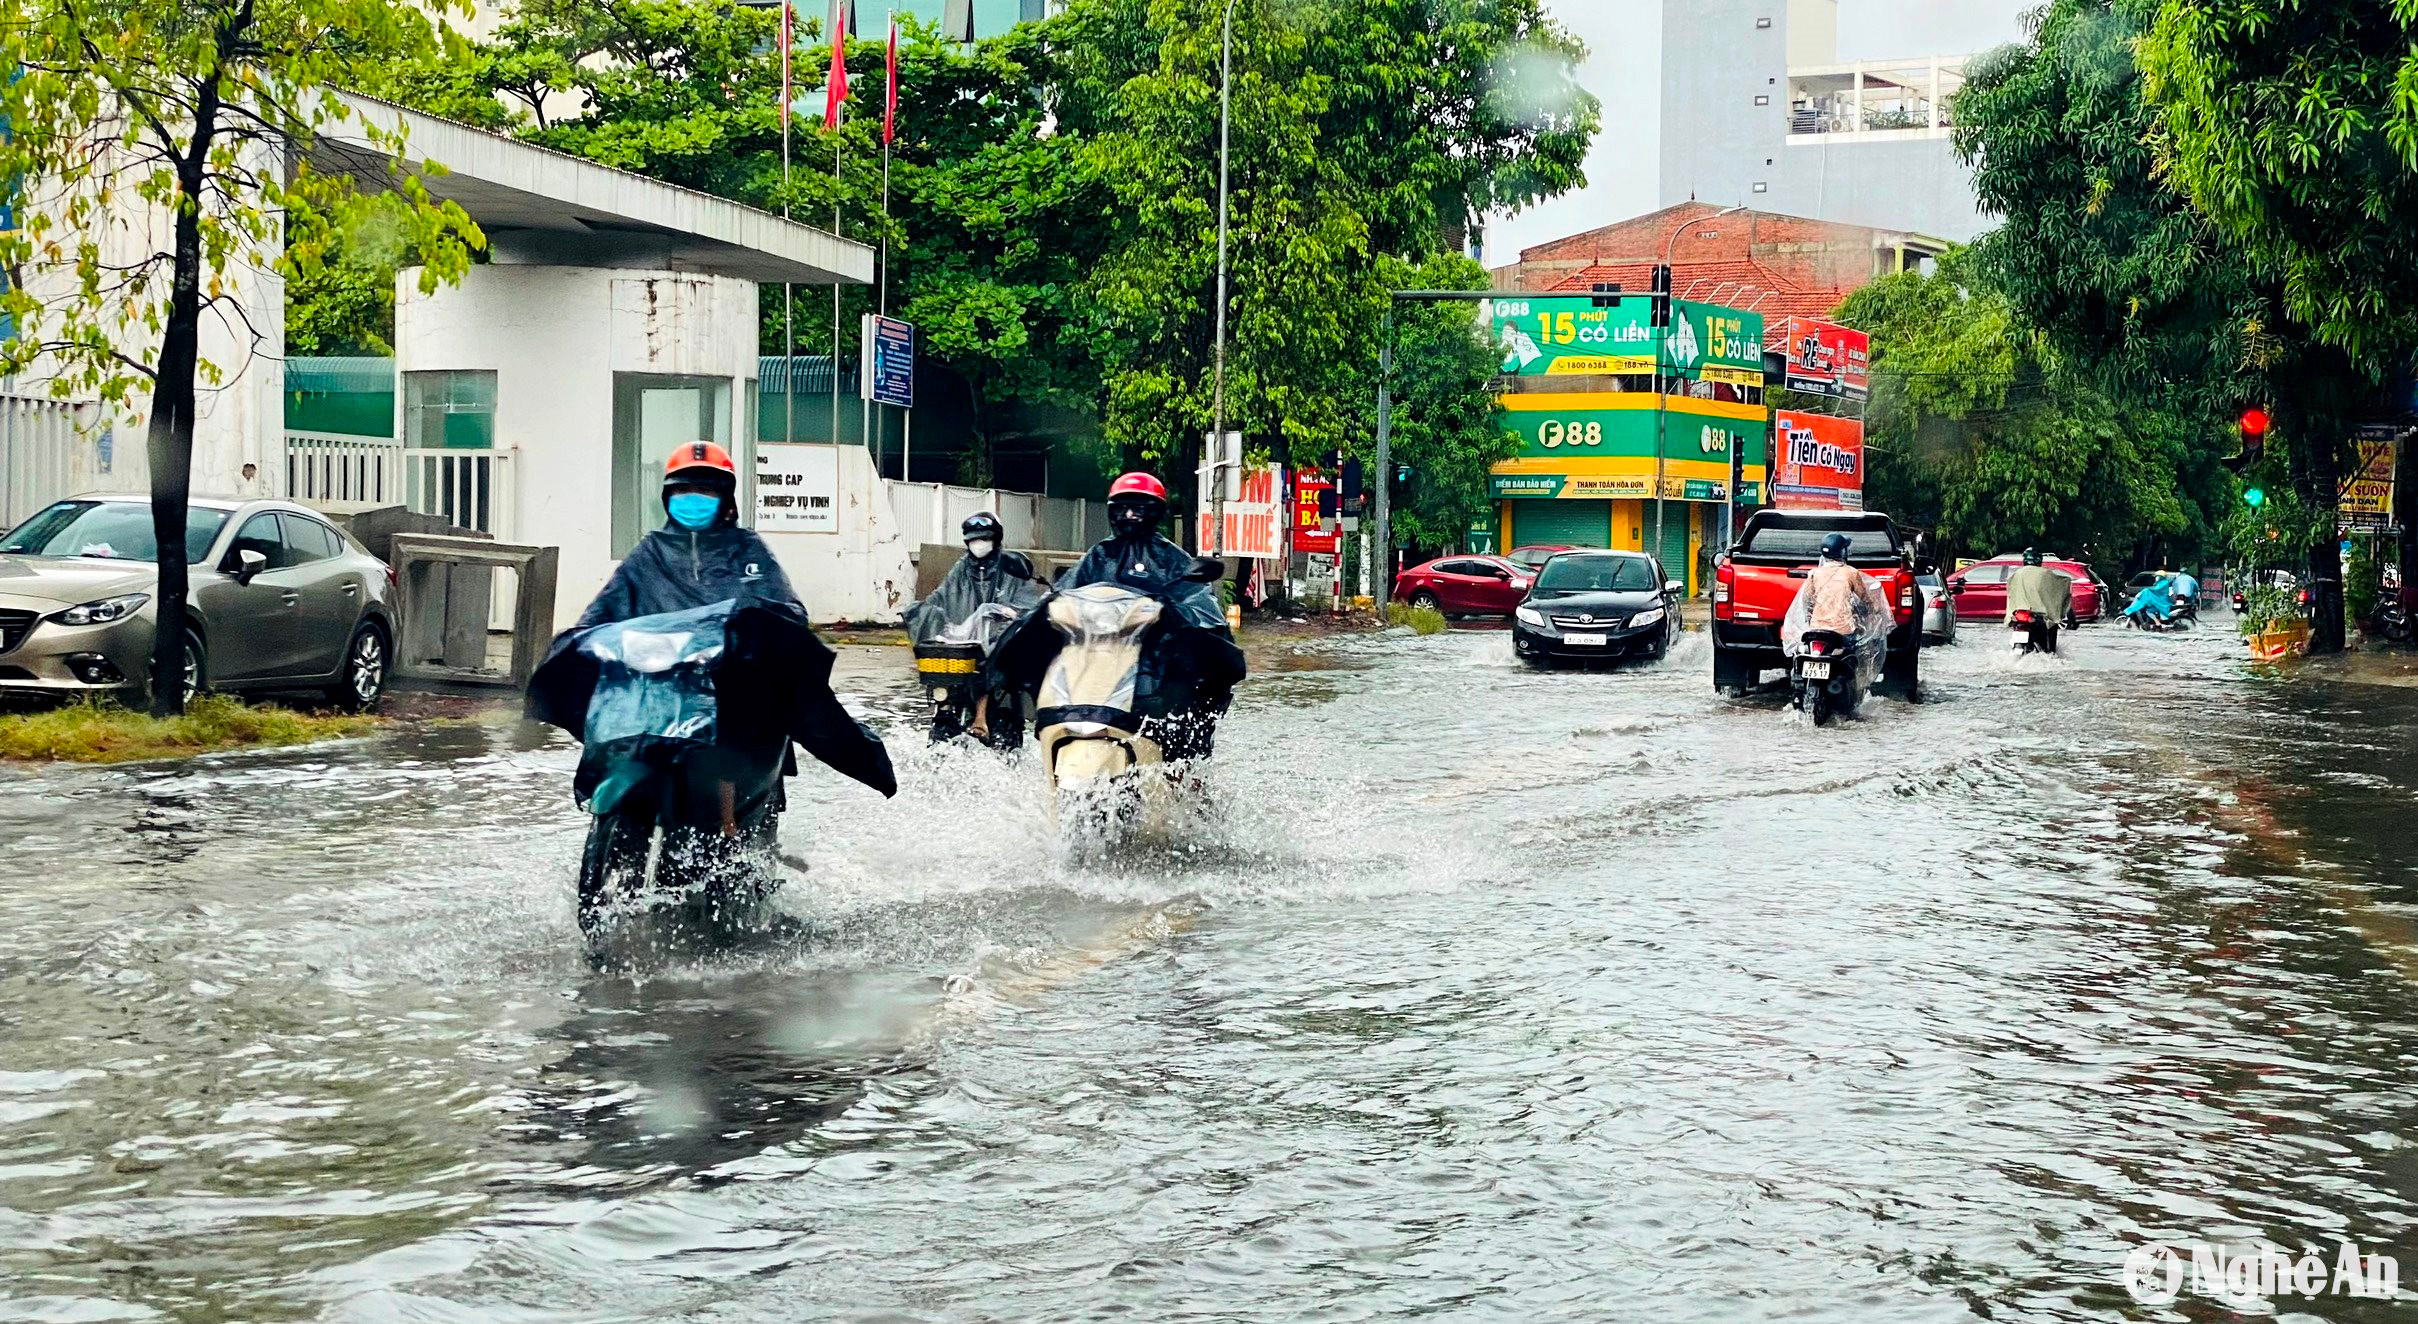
[(2254, 422)]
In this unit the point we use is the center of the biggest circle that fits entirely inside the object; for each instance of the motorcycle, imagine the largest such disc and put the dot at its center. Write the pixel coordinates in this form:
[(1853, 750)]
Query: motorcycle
[(2028, 633), (1825, 679), (2393, 619), (685, 720), (950, 665), (1111, 733)]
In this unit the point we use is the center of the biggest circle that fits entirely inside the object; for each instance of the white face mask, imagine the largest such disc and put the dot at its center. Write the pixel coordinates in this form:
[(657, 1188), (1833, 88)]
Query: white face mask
[(982, 547)]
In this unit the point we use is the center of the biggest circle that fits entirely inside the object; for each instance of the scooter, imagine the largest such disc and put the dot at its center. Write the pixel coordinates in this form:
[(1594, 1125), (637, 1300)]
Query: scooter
[(2028, 633), (950, 667), (1825, 679)]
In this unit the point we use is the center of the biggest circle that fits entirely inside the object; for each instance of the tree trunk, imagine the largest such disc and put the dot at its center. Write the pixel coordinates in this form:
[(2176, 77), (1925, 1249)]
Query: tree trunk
[(2324, 577), (2405, 509), (170, 440)]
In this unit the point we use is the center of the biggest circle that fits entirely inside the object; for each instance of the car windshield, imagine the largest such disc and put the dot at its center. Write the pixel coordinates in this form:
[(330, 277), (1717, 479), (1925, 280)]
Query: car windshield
[(1596, 574), (1928, 581), (109, 531), (1867, 544)]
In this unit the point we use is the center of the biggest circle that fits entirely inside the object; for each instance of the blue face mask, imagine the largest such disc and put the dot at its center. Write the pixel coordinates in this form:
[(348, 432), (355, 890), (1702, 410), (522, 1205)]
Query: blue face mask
[(694, 510)]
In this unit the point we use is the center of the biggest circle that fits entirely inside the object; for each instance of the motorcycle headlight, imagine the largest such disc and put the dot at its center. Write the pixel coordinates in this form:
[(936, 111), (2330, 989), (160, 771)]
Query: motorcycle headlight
[(1531, 616), (104, 611), (1647, 617)]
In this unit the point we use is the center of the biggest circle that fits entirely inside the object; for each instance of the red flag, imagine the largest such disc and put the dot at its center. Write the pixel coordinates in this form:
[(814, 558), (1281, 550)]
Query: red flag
[(838, 88), (786, 94), (890, 92)]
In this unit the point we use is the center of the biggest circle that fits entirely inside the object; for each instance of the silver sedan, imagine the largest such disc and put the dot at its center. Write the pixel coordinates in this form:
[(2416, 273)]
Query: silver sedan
[(1939, 610)]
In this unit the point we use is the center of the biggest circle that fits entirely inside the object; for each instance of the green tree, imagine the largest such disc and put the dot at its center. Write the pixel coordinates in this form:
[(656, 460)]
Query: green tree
[(188, 110), (2177, 316), (1447, 429)]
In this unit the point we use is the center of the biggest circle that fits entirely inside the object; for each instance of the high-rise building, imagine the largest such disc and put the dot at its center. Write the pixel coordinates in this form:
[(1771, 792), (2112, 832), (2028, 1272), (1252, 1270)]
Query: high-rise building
[(1757, 108)]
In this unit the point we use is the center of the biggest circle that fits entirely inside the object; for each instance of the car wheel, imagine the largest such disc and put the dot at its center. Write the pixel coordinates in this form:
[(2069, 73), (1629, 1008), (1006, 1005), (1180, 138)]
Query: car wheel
[(362, 677), (196, 668), (1428, 600)]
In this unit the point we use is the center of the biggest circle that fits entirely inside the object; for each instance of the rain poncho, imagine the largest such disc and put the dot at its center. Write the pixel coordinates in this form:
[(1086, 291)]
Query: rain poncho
[(1153, 565), (2041, 591), (673, 569), (2156, 598), (1840, 599), (954, 613)]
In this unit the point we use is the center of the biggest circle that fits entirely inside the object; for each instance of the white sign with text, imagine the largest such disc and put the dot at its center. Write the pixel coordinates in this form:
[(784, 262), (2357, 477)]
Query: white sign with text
[(797, 489)]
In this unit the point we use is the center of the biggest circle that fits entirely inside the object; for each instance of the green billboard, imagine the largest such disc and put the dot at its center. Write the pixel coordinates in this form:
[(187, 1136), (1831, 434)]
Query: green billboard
[(1570, 336)]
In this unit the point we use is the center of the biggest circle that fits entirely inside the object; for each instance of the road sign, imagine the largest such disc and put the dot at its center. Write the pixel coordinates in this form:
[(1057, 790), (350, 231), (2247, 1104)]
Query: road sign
[(888, 371)]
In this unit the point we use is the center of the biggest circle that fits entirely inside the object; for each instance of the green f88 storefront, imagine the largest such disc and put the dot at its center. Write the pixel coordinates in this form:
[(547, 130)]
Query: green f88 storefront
[(1586, 469)]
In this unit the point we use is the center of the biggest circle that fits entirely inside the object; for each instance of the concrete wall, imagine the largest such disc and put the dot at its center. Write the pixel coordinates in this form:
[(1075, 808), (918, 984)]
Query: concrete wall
[(865, 571), (554, 337), (1901, 183), (1715, 62)]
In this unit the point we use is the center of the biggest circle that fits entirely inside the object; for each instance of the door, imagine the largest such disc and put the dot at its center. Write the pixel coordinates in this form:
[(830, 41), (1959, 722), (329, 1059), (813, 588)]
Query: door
[(1451, 582), (251, 627), (1985, 593), (1495, 589), (331, 594), (1673, 551), (1561, 523)]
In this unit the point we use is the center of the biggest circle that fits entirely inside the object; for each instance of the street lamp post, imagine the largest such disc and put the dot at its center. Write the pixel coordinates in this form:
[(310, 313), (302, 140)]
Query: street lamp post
[(1217, 429), (1662, 391)]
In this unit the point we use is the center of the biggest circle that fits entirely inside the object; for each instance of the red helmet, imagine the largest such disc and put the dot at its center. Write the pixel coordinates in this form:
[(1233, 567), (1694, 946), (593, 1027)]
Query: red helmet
[(1137, 484), (699, 455)]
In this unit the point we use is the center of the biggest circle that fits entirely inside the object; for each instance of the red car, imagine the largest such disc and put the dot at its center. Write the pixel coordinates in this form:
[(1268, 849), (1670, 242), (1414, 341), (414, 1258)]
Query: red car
[(1980, 589), (1465, 585), (1532, 558)]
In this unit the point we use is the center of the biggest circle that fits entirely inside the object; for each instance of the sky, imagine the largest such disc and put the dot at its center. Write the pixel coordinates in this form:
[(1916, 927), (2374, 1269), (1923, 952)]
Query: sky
[(1621, 181)]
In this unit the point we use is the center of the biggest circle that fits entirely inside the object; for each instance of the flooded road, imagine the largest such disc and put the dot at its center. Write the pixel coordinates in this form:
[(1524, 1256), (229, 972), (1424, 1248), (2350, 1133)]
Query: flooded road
[(1485, 994)]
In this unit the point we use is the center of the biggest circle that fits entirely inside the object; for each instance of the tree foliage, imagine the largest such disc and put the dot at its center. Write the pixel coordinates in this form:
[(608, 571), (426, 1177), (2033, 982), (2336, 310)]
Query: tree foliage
[(152, 145)]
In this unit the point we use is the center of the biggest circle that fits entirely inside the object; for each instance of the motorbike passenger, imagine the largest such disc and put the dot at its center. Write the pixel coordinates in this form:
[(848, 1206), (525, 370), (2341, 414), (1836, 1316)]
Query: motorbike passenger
[(2154, 604), (2185, 589), (986, 591), (1180, 702), (2035, 588), (1839, 598), (1840, 607)]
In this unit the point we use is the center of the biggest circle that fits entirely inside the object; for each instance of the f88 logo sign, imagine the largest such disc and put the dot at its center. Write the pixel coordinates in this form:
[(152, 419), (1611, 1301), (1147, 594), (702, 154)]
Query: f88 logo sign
[(1553, 433)]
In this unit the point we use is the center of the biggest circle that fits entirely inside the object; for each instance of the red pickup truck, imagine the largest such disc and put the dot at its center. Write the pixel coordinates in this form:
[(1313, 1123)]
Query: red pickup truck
[(1754, 583)]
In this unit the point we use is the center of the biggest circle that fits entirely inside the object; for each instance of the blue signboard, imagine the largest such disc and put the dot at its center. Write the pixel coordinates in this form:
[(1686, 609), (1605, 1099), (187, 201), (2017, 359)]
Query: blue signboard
[(889, 375)]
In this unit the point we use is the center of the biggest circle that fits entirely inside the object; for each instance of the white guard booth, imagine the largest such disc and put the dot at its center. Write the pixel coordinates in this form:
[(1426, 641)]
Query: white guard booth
[(616, 318)]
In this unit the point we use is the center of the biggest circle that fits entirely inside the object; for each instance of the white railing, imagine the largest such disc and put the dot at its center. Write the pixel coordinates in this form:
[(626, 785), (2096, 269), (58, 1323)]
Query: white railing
[(469, 488), (931, 512), (334, 466), (37, 452)]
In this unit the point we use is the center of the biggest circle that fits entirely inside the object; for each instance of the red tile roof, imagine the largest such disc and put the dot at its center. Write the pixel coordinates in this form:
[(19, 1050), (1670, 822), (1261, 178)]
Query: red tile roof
[(1744, 284)]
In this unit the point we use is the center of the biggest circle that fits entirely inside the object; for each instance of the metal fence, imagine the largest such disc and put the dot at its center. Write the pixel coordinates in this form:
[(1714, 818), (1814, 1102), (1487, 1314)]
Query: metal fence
[(37, 452), (468, 488), (931, 512)]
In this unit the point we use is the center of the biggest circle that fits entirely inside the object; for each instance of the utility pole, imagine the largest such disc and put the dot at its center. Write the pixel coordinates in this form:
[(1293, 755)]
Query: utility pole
[(1662, 389), (1217, 431), (1384, 477)]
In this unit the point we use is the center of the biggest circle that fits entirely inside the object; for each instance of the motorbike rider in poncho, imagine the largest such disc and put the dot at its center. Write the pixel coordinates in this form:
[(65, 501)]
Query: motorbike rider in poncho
[(982, 595), (1839, 599), (2035, 588), (1191, 666)]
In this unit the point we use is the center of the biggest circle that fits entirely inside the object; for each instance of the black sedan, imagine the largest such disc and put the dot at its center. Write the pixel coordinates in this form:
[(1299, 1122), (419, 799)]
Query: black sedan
[(1597, 605)]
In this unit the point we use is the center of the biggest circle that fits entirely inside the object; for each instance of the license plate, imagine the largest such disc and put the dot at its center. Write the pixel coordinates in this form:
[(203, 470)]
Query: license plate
[(1584, 640), (1817, 671)]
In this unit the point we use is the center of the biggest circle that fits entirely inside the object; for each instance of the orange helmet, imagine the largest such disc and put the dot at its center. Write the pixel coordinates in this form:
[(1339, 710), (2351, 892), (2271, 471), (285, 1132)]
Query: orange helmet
[(1137, 485), (699, 455)]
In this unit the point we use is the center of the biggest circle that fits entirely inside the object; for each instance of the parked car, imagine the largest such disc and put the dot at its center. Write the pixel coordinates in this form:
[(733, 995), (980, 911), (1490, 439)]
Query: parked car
[(1532, 558), (278, 599), (1465, 585), (1597, 605), (2270, 578), (1980, 589), (1939, 613)]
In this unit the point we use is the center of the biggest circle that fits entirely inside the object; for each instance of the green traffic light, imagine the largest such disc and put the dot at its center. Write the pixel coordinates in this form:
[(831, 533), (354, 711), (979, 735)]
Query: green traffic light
[(2254, 497)]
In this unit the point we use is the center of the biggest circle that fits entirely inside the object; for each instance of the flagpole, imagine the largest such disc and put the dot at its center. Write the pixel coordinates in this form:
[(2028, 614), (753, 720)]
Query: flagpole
[(789, 332)]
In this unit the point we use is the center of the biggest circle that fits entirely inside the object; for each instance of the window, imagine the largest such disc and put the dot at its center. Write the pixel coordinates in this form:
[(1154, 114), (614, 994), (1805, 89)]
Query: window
[(309, 539), (259, 534), (1761, 187), (1600, 574), (109, 530), (449, 410), (652, 414), (1986, 574), (1762, 23), (1762, 100)]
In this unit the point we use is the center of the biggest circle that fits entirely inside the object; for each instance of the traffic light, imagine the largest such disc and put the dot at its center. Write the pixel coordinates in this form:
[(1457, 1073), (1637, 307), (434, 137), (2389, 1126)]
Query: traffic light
[(2254, 497), (1662, 298), (2253, 424), (1355, 497), (1607, 294)]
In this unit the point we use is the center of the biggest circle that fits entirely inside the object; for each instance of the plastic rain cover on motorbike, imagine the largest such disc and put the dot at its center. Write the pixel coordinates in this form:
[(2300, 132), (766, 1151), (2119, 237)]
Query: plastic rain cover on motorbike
[(1870, 636), (975, 606), (654, 676), (1100, 665)]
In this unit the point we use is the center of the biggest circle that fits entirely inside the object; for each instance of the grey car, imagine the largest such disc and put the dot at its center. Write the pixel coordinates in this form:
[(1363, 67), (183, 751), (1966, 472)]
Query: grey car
[(278, 598), (1939, 609)]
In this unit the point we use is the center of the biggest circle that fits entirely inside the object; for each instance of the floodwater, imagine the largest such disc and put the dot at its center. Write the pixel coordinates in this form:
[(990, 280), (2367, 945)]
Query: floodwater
[(1478, 994)]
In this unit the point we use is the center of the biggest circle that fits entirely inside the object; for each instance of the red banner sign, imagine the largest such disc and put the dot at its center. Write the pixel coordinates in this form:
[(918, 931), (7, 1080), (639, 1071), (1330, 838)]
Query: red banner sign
[(1309, 527), (1825, 358), (1819, 462)]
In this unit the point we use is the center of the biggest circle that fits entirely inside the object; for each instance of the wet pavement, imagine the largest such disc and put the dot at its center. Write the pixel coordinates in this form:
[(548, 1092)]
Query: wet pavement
[(1478, 993)]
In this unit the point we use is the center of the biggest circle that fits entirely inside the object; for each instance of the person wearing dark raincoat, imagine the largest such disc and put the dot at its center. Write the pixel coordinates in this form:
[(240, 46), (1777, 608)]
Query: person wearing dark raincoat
[(774, 670), (985, 592)]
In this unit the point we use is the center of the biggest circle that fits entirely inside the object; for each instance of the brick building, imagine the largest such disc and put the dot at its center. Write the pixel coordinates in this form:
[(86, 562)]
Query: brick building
[(1779, 266)]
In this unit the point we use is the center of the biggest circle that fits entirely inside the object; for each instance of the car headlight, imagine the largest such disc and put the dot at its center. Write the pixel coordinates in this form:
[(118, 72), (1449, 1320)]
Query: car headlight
[(1530, 616), (1646, 617), (104, 611)]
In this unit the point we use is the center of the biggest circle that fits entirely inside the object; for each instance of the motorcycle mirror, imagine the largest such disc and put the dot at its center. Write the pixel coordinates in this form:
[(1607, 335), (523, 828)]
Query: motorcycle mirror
[(1205, 570)]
